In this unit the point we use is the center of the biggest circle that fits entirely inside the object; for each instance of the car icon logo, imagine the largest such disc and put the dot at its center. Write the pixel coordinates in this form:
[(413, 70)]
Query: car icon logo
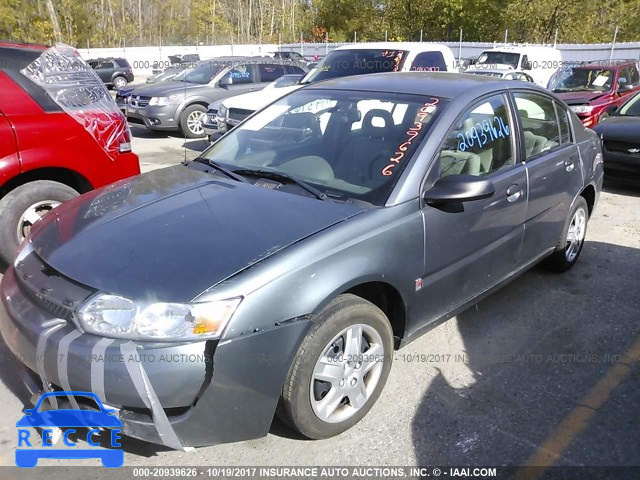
[(68, 419)]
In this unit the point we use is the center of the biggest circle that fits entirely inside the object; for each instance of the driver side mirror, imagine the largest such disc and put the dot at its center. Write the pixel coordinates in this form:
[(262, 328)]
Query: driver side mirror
[(526, 65), (459, 188), (611, 109), (225, 81), (625, 87)]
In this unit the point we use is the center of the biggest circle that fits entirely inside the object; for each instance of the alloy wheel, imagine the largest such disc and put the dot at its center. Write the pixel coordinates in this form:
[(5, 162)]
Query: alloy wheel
[(32, 214), (576, 234), (346, 373)]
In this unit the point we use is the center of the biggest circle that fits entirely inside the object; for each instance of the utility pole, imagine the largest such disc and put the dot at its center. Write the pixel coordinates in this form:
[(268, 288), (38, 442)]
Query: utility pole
[(613, 44)]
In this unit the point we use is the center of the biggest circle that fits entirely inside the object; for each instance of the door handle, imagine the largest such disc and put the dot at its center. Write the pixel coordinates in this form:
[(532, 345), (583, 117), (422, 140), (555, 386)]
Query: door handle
[(514, 192), (569, 165)]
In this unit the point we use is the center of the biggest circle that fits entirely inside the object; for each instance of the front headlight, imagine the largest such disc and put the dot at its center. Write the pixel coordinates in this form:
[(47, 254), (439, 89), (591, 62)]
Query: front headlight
[(222, 111), (119, 317), (584, 109), (163, 101)]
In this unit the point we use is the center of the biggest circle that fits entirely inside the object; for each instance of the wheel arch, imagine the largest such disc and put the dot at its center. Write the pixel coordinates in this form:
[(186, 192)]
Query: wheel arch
[(589, 194), (383, 295), (65, 176)]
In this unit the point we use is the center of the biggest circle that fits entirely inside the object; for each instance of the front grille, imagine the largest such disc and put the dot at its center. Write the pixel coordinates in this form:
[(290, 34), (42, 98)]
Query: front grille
[(239, 113), (49, 290), (622, 147), (139, 101), (211, 120)]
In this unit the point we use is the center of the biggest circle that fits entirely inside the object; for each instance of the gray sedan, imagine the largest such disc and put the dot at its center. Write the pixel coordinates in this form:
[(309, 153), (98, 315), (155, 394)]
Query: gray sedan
[(279, 271)]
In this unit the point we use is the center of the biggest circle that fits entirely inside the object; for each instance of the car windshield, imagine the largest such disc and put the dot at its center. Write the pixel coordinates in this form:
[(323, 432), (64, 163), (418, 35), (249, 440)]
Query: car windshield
[(499, 58), (581, 79), (343, 63), (632, 107), (348, 145), (204, 72)]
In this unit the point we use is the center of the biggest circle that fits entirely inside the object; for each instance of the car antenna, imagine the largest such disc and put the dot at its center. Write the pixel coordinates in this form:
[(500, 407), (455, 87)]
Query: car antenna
[(184, 80)]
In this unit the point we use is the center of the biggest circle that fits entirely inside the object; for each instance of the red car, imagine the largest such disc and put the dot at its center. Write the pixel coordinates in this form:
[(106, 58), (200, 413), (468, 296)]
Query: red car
[(52, 149), (593, 89)]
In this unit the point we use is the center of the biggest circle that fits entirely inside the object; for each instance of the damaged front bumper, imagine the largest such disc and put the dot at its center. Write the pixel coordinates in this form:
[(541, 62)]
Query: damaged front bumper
[(178, 395)]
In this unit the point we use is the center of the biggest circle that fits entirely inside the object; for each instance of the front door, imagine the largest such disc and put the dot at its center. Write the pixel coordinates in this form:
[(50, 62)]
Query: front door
[(471, 246)]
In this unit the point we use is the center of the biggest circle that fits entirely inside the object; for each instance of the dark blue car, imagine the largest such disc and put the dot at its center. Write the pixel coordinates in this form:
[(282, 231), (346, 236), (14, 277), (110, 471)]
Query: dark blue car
[(64, 418)]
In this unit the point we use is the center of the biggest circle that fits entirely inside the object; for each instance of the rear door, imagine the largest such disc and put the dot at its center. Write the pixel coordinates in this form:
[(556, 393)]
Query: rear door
[(472, 246), (105, 70), (553, 166)]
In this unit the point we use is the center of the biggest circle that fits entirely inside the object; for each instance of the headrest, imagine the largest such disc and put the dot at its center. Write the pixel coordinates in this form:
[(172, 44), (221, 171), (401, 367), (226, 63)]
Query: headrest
[(377, 123)]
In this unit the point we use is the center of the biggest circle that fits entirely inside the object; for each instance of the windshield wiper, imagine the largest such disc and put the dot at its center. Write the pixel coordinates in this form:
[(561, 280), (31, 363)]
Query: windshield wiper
[(283, 177), (220, 168)]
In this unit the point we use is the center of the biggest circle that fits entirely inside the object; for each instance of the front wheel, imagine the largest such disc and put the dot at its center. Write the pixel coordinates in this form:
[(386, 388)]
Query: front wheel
[(339, 370), (24, 206), (191, 121), (571, 242)]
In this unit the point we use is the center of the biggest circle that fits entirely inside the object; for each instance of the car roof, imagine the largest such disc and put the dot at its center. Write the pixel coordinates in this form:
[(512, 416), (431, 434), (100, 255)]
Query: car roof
[(439, 84), (415, 46)]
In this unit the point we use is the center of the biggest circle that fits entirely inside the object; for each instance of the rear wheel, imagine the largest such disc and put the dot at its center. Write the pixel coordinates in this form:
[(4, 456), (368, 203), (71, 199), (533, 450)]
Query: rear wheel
[(120, 82), (24, 206), (191, 121), (340, 369), (570, 245)]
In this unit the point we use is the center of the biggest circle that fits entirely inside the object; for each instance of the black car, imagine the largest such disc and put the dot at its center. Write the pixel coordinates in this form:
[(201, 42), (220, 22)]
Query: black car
[(620, 133), (114, 72)]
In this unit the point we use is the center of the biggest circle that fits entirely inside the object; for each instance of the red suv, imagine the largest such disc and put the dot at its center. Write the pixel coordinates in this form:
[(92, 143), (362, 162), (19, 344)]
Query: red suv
[(49, 154), (591, 89)]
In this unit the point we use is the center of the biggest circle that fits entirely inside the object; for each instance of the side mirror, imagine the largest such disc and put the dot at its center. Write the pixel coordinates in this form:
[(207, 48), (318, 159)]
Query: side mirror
[(625, 87), (611, 109), (459, 188), (526, 65), (225, 81)]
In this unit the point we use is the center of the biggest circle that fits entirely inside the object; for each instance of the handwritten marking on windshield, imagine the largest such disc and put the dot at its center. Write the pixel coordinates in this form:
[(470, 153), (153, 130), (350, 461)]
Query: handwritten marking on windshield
[(427, 109)]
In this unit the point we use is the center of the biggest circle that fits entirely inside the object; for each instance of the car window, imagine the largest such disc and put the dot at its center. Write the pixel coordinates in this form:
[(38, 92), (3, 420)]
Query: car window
[(344, 63), (633, 75), (631, 107), (294, 70), (241, 74), (270, 72), (563, 121), (624, 77), (106, 64), (430, 62), (539, 123), (480, 143)]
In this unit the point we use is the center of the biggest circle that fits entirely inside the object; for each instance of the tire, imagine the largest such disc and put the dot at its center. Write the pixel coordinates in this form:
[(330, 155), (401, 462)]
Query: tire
[(302, 404), (187, 128), (19, 208), (119, 82), (567, 252)]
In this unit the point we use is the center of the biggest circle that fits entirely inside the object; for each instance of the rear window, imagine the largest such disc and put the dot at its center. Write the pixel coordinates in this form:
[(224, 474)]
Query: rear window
[(343, 63), (429, 62), (122, 63)]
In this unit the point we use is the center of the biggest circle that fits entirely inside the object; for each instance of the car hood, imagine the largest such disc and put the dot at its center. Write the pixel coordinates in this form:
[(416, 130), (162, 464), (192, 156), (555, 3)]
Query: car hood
[(170, 234), (579, 98), (620, 128), (257, 100), (169, 87)]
